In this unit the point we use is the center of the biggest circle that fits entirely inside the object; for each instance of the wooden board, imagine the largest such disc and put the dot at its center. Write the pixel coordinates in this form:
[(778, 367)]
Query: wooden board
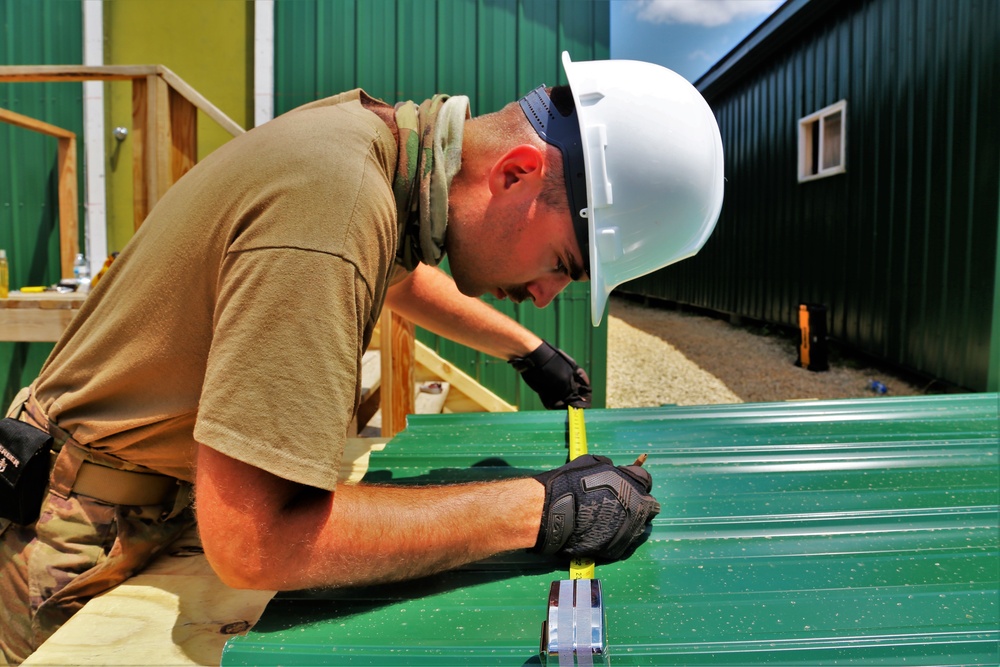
[(37, 317), (431, 397), (466, 394), (397, 336)]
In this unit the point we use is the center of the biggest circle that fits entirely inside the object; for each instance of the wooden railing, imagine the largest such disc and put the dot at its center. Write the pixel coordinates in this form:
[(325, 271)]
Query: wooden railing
[(164, 130)]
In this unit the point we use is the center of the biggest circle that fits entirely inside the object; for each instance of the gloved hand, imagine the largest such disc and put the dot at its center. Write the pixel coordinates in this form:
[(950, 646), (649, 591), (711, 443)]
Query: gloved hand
[(595, 509), (555, 377)]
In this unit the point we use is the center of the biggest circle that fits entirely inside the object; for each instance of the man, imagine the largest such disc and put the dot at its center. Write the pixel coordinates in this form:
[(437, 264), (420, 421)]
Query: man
[(221, 352)]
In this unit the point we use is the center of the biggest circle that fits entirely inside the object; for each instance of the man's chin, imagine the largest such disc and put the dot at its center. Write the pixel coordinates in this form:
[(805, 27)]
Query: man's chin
[(465, 288)]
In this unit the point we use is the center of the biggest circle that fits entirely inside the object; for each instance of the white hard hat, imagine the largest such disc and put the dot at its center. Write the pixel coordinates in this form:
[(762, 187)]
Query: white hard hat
[(652, 168)]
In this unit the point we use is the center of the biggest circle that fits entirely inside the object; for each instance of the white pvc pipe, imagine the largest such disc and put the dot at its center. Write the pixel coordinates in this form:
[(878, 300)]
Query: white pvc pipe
[(263, 61), (95, 197)]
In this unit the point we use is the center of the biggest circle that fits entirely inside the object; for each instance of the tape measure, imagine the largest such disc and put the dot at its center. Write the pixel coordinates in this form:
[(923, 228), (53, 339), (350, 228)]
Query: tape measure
[(579, 568)]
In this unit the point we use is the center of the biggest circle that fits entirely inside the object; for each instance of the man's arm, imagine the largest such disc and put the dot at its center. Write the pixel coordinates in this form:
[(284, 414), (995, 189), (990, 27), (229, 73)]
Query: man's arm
[(264, 532), (429, 298)]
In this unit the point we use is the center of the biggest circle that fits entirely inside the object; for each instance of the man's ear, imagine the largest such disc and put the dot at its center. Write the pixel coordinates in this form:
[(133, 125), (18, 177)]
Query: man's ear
[(521, 165)]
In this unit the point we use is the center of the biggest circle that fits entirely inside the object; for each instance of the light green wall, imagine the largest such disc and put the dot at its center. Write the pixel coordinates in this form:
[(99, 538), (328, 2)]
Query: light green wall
[(208, 43)]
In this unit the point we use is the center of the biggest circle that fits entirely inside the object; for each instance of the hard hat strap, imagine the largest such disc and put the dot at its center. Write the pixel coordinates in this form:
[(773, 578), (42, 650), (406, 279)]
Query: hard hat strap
[(563, 132)]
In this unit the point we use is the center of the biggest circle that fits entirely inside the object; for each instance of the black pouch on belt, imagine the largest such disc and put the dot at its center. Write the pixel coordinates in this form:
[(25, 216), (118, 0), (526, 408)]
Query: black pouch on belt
[(24, 470)]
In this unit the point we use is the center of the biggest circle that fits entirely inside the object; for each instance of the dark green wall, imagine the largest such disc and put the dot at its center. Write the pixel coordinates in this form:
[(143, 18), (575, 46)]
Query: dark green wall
[(39, 32), (494, 51), (902, 248)]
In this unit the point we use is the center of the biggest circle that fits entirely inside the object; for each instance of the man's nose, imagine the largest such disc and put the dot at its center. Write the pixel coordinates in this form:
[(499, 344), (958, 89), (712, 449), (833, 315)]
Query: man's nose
[(545, 289)]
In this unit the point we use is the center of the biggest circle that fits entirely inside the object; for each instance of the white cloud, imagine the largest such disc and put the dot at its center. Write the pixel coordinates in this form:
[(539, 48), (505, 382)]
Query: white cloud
[(708, 13), (701, 56)]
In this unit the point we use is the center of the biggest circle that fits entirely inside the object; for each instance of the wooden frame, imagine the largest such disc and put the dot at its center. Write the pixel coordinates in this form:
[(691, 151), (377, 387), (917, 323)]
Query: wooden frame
[(68, 219), (164, 125)]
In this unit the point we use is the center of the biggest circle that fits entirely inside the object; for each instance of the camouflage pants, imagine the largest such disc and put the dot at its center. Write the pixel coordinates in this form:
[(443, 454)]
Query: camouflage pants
[(79, 547)]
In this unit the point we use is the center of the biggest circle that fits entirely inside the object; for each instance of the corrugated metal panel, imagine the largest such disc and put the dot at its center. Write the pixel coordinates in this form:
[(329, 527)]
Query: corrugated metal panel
[(494, 51), (842, 532), (35, 33), (902, 248)]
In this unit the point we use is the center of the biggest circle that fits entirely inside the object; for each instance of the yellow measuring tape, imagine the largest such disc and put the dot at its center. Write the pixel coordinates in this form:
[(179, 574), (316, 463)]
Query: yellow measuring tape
[(579, 568)]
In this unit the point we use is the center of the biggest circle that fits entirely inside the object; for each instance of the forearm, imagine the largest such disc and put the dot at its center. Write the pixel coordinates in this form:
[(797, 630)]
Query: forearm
[(282, 536), (381, 533), (429, 298)]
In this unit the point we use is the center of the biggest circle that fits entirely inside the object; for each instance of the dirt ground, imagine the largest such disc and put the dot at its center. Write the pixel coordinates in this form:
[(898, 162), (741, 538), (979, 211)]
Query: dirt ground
[(660, 356)]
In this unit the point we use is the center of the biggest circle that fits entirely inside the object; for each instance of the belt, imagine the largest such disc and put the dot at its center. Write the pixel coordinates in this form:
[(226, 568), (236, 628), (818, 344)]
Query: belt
[(100, 482), (123, 487)]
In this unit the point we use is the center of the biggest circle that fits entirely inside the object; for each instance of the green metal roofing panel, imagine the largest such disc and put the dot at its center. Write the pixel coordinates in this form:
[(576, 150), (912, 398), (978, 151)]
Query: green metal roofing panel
[(814, 533), (493, 51)]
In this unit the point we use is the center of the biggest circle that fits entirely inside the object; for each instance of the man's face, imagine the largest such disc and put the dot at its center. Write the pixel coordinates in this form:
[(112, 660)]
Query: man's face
[(519, 250)]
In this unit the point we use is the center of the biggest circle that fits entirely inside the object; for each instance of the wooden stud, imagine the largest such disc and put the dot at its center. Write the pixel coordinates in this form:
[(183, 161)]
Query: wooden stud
[(158, 142), (183, 136), (397, 342), (68, 217), (140, 201)]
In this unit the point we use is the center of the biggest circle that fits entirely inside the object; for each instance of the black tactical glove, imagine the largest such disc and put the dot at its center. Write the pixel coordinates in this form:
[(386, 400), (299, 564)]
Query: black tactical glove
[(595, 509), (557, 379)]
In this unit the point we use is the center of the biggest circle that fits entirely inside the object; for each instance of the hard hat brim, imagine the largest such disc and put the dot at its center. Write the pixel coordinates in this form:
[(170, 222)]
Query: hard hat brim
[(599, 291), (654, 166)]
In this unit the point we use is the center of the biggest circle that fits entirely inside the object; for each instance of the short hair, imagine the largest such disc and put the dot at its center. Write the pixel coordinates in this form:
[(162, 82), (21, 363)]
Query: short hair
[(509, 123)]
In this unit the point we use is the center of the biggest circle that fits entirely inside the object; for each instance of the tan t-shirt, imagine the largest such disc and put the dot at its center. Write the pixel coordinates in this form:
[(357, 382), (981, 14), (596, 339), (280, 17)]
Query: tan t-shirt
[(238, 315)]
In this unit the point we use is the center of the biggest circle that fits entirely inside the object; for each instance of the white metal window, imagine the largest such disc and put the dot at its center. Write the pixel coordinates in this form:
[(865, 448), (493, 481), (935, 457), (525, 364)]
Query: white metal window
[(822, 138)]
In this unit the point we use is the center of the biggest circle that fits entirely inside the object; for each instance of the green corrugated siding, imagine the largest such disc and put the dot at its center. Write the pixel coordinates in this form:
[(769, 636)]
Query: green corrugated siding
[(902, 248), (40, 32), (494, 51), (812, 533), (993, 381)]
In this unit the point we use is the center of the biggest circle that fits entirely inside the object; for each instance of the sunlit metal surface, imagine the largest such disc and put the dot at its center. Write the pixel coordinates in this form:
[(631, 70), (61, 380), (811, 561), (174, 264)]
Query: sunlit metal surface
[(817, 533), (573, 632)]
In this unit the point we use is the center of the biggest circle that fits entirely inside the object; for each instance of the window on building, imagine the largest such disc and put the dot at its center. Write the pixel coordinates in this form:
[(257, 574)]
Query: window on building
[(822, 138)]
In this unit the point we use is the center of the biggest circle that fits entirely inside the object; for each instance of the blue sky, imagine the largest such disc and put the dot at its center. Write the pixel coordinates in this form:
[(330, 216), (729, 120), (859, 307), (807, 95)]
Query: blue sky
[(687, 36)]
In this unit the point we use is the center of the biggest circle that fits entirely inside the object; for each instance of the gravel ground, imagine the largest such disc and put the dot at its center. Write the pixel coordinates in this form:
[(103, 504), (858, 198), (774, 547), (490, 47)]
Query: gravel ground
[(658, 356)]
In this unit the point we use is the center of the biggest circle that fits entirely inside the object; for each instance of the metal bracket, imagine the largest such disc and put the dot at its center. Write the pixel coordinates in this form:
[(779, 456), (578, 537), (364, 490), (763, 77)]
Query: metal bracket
[(574, 634)]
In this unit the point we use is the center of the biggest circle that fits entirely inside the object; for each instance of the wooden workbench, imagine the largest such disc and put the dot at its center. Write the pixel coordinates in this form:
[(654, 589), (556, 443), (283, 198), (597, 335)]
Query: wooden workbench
[(37, 318)]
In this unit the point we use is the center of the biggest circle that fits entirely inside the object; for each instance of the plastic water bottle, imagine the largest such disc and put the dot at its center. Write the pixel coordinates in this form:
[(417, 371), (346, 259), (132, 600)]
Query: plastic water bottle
[(4, 275), (81, 273)]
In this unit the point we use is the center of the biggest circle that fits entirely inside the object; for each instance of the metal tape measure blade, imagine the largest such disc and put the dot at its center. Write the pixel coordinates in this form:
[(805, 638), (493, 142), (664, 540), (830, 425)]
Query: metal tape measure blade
[(577, 433), (579, 568)]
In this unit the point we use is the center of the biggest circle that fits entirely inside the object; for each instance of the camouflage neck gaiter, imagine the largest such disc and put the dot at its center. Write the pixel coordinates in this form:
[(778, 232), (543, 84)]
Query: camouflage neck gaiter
[(430, 154)]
